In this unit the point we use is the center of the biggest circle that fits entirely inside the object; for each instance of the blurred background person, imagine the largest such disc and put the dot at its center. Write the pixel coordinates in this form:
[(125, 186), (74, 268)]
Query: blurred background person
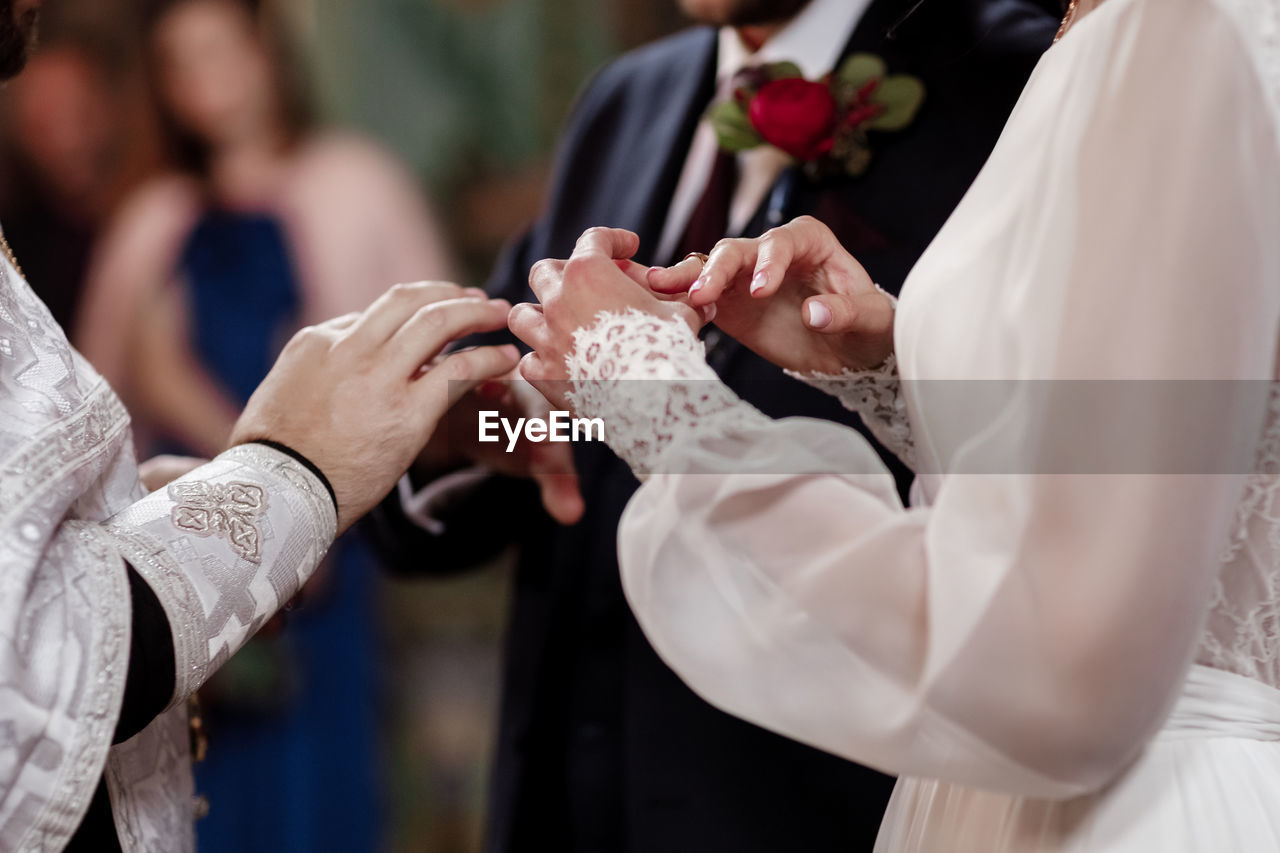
[(264, 224), (69, 162)]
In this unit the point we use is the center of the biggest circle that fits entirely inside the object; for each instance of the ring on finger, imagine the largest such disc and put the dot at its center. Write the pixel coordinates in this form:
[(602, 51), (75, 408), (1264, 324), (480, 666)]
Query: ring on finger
[(701, 256)]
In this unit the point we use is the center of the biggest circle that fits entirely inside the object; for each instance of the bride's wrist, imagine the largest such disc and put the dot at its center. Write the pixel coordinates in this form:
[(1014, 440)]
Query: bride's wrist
[(873, 361), (646, 378), (635, 344)]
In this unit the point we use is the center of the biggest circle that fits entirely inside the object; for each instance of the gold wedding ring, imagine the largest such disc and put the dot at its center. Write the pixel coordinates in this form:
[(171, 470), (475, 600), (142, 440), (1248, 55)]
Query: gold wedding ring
[(701, 256)]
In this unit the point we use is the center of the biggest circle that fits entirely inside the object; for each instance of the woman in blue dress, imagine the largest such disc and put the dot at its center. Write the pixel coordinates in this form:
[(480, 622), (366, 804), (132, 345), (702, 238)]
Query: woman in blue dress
[(265, 225)]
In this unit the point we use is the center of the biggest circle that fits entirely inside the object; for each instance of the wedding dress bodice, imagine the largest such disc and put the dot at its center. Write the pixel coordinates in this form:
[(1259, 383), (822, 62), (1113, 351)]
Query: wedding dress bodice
[(1024, 628)]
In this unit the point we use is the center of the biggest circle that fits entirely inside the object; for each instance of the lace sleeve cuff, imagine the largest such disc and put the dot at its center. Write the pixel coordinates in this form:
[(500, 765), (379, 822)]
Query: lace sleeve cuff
[(677, 396), (225, 547), (876, 395)]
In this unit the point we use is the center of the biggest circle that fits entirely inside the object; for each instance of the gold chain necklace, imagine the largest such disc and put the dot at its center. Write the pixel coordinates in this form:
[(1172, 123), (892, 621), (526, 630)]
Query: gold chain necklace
[(1067, 20), (8, 253)]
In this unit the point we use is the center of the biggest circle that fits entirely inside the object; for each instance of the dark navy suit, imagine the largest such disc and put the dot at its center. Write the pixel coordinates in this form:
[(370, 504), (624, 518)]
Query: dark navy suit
[(601, 746)]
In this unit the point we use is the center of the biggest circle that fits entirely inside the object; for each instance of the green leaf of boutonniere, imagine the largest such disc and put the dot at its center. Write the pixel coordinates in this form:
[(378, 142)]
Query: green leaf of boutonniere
[(733, 129), (901, 96), (783, 70), (856, 72), (860, 69)]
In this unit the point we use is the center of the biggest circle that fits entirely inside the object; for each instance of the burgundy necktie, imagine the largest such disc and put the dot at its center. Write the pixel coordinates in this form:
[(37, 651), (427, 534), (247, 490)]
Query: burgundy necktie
[(709, 221)]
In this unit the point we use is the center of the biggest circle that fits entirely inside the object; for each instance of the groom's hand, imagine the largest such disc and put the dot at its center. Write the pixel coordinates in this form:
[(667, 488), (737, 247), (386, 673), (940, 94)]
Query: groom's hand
[(548, 464), (359, 395)]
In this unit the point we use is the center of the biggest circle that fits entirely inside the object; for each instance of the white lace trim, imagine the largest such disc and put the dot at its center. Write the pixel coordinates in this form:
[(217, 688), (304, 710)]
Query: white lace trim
[(683, 397), (876, 395), (1242, 634)]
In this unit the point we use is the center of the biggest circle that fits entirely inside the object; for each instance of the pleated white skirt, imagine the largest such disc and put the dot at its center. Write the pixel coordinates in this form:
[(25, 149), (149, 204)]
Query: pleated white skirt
[(1208, 783)]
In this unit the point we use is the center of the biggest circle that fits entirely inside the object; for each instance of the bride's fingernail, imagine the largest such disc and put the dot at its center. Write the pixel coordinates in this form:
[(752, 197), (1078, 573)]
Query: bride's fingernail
[(819, 315), (697, 285), (758, 283), (709, 312)]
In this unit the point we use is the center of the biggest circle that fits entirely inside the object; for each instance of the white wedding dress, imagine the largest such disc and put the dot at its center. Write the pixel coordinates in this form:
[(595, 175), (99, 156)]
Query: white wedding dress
[(1051, 659)]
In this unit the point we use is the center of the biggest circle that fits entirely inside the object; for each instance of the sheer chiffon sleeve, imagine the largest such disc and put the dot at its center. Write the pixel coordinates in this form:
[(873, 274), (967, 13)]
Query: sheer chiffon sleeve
[(1028, 630)]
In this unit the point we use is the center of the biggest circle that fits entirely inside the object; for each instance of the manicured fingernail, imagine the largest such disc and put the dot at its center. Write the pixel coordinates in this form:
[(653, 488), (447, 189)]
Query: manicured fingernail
[(758, 283), (709, 312), (697, 285), (819, 315)]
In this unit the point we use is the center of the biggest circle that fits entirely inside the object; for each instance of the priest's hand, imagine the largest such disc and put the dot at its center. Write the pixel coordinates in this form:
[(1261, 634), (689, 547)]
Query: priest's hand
[(361, 395), (794, 296)]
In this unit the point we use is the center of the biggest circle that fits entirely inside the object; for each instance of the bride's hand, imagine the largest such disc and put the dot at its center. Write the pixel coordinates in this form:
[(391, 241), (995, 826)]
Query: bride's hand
[(793, 295), (599, 276)]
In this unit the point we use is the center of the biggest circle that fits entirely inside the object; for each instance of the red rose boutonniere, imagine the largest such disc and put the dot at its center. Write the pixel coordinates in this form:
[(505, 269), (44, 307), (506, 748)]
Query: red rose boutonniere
[(822, 124)]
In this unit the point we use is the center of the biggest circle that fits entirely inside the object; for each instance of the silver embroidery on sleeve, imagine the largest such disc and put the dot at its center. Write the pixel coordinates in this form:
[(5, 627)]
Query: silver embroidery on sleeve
[(231, 511), (66, 469), (65, 462), (152, 792), (221, 555)]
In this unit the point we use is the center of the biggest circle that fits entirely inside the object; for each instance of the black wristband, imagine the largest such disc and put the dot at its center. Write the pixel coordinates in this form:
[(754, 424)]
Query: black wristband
[(305, 462)]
